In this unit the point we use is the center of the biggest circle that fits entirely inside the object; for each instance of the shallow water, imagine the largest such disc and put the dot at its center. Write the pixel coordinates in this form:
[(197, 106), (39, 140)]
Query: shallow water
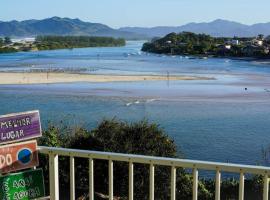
[(124, 60)]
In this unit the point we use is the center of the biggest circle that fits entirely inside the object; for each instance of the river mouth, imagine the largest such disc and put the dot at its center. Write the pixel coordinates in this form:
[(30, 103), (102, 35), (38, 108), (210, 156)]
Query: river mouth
[(214, 120)]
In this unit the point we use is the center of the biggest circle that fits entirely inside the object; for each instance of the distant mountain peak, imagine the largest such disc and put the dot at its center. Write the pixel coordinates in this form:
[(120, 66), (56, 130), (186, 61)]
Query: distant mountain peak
[(56, 18), (221, 21)]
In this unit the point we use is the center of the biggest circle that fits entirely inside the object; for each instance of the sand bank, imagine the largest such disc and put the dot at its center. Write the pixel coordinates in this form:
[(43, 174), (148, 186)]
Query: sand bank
[(44, 78)]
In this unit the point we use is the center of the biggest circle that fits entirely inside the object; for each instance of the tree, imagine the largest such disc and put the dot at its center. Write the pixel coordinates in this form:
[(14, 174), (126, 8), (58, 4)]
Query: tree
[(63, 42), (7, 40), (260, 36), (1, 42)]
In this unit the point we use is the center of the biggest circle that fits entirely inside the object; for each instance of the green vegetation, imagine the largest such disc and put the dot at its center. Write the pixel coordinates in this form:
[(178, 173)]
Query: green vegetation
[(7, 40), (58, 42), (7, 50), (187, 43), (64, 42), (135, 138), (3, 46), (184, 43)]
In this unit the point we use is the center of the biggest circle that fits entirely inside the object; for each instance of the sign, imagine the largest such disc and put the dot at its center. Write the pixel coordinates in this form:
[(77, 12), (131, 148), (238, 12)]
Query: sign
[(22, 186), (19, 127), (18, 156)]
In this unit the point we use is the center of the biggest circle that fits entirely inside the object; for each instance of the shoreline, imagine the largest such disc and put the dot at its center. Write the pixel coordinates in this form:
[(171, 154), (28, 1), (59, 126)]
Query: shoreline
[(202, 56), (15, 78)]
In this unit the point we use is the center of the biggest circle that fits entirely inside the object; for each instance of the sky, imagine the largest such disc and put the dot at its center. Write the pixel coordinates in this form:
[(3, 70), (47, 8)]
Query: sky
[(146, 13)]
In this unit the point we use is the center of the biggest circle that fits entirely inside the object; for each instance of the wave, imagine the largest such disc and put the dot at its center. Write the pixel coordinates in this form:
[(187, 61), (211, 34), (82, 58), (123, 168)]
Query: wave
[(150, 100), (129, 104), (138, 102)]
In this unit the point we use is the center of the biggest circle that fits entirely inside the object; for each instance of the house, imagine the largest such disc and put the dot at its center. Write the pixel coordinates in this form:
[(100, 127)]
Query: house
[(228, 46), (234, 42), (266, 50), (260, 42), (257, 42), (223, 49)]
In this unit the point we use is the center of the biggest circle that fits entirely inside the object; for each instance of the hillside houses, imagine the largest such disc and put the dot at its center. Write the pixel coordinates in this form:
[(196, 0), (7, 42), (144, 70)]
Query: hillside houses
[(252, 47), (187, 43)]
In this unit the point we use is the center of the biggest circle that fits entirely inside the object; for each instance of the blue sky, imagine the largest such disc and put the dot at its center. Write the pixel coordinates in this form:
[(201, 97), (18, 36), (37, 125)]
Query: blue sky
[(118, 13)]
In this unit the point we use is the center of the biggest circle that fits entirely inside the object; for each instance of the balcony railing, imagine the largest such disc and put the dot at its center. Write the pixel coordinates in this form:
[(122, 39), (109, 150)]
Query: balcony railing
[(152, 162)]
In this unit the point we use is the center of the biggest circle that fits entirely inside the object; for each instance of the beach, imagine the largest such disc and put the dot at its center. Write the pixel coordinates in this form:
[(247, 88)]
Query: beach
[(46, 78)]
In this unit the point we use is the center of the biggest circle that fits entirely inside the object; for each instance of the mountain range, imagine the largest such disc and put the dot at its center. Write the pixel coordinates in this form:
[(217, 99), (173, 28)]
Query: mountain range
[(67, 26), (217, 28), (61, 26)]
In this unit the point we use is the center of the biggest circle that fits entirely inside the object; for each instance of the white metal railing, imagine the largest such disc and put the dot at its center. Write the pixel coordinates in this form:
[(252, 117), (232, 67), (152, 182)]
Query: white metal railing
[(152, 161)]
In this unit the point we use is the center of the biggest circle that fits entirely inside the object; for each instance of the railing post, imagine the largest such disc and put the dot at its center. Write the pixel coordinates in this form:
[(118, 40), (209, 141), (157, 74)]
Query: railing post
[(72, 178), (152, 182), (266, 187), (91, 179), (110, 180), (54, 177), (195, 184), (130, 172), (218, 180), (173, 182), (241, 186)]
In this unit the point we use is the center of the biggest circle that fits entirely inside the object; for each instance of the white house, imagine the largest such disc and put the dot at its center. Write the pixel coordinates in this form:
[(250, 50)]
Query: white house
[(260, 42), (228, 46), (257, 42)]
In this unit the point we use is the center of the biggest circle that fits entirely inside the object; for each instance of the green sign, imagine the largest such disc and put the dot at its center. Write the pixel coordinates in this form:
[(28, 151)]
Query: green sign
[(22, 186)]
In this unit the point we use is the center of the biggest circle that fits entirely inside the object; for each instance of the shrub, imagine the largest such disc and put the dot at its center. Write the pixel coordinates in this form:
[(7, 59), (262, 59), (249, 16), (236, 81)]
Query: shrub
[(142, 138)]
